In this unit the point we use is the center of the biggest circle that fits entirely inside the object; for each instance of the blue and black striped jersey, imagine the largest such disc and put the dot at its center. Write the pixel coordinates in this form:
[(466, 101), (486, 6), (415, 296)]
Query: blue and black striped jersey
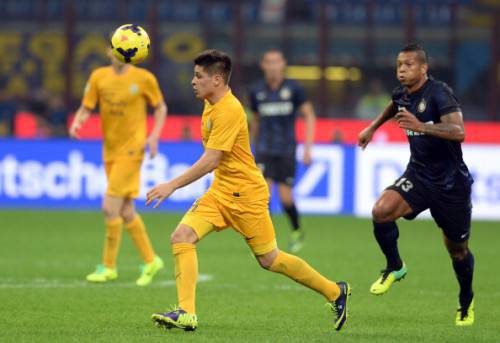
[(277, 111)]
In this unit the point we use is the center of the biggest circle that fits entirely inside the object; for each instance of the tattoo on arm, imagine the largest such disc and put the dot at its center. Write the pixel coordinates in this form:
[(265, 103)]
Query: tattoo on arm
[(450, 128)]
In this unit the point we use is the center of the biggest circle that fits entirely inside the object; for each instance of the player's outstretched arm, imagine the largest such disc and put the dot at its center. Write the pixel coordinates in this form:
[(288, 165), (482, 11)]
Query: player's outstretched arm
[(81, 116), (307, 111), (366, 135), (207, 163), (159, 115)]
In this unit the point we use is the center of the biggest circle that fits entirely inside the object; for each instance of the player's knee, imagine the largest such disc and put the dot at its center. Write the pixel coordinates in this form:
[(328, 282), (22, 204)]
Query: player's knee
[(267, 260), (109, 211), (183, 235), (382, 214), (178, 236), (286, 196), (128, 214), (287, 202), (458, 254)]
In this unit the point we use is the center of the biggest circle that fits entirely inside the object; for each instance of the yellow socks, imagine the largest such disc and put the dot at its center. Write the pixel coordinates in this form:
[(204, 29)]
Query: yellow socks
[(298, 270), (112, 241), (139, 236), (186, 273)]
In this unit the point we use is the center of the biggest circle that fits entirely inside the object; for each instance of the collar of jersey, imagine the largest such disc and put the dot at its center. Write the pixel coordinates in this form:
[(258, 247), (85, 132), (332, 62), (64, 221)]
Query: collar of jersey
[(421, 89), (277, 89), (221, 100)]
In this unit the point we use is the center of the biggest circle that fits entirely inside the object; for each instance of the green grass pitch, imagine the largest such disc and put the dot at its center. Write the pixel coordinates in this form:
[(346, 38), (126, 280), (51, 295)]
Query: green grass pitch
[(44, 257)]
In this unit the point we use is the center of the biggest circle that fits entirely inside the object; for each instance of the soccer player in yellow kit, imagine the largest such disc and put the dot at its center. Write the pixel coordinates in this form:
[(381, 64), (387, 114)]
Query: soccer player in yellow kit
[(123, 92), (237, 198)]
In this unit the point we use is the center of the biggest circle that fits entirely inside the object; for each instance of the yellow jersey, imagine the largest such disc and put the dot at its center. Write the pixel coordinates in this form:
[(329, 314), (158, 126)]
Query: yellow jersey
[(224, 128), (122, 100)]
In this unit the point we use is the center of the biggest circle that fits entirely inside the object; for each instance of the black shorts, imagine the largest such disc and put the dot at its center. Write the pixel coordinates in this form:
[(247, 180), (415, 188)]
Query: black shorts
[(451, 209), (280, 169)]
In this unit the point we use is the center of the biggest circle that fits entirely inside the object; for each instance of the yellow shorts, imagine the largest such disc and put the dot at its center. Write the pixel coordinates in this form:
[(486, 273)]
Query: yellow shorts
[(124, 177), (251, 219)]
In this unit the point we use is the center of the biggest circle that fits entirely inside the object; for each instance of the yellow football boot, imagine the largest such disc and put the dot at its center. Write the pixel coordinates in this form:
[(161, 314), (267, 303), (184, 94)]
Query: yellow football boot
[(465, 317), (176, 318), (296, 241), (385, 281), (149, 271), (102, 274)]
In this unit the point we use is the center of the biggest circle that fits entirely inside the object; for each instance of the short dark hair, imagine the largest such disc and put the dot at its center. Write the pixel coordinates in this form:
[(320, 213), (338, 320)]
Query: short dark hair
[(414, 47), (215, 62)]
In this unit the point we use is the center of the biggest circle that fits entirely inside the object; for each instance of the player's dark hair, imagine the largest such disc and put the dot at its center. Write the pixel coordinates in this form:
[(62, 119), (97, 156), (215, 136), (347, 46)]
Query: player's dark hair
[(413, 47), (215, 62)]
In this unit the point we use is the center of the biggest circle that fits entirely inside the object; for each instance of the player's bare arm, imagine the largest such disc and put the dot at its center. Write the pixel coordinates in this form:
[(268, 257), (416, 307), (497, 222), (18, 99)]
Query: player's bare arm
[(451, 126), (307, 110), (81, 116), (366, 135), (254, 127), (206, 164), (159, 115)]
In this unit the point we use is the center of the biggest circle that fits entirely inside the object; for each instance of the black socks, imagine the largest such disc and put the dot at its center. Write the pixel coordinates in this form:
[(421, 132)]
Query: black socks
[(464, 270), (387, 238), (293, 215)]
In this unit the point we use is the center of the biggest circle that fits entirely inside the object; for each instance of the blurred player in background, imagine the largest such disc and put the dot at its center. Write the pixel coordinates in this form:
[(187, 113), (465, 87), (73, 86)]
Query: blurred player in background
[(123, 92), (237, 198), (436, 177), (276, 102)]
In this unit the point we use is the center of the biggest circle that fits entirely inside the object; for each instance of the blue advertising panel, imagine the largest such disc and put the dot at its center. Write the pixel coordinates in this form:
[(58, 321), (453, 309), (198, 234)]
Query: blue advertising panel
[(65, 174)]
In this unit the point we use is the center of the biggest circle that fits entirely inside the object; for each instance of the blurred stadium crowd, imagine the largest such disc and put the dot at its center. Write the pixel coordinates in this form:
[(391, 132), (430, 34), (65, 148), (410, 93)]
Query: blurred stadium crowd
[(343, 52)]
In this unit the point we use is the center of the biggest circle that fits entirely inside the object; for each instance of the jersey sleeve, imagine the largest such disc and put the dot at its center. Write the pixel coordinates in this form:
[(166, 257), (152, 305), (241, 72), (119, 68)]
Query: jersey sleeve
[(152, 90), (90, 93), (225, 129), (445, 100), (299, 95)]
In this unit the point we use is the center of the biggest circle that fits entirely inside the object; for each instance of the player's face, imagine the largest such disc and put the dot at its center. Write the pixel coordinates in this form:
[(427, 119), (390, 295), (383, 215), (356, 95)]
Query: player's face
[(410, 69), (273, 64), (203, 84), (113, 59)]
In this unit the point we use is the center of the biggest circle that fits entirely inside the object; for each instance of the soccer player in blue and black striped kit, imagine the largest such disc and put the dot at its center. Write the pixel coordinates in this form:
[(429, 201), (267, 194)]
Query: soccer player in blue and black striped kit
[(436, 177), (276, 102)]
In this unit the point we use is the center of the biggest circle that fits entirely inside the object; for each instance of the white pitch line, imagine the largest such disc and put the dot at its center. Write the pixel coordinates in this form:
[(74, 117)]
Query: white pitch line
[(55, 283)]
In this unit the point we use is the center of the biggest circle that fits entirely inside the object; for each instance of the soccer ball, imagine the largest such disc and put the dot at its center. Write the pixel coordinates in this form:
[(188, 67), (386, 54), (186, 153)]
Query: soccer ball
[(130, 44)]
